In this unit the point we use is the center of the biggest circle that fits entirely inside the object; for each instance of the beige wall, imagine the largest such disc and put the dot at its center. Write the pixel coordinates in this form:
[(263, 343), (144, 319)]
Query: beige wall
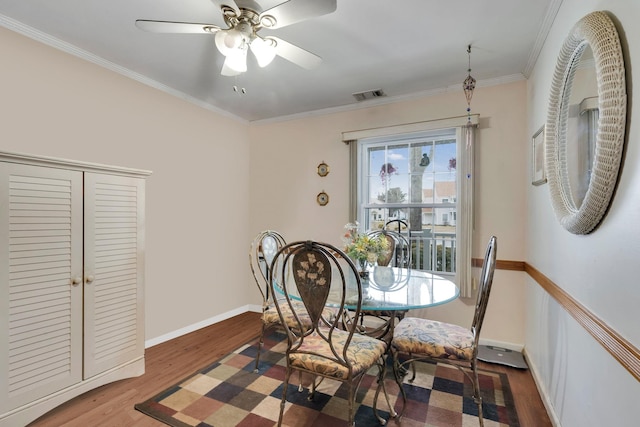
[(54, 104), (211, 190), (576, 375), (284, 185)]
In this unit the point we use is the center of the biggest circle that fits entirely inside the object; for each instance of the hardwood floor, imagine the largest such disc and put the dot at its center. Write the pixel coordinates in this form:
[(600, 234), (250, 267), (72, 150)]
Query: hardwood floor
[(169, 362)]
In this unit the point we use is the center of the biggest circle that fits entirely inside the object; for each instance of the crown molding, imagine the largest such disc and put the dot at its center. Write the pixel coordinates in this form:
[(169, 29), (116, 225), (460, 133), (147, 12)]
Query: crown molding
[(32, 33), (550, 17), (392, 99)]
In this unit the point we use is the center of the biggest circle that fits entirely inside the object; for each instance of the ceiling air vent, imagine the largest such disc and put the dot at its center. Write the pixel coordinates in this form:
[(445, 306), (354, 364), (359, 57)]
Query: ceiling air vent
[(369, 94)]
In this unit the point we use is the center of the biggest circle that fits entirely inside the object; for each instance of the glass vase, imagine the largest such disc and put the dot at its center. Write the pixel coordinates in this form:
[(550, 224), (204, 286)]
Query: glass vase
[(363, 271)]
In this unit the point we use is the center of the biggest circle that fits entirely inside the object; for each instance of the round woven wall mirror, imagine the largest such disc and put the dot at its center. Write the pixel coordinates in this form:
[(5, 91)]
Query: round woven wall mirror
[(581, 195)]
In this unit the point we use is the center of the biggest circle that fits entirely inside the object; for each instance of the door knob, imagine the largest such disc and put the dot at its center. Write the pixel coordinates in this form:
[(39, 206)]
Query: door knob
[(90, 278), (75, 281)]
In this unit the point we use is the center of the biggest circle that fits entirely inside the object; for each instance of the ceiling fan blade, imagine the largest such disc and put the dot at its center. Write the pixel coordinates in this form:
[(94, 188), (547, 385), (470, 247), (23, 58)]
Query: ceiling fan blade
[(295, 54), (293, 11), (176, 27), (229, 3)]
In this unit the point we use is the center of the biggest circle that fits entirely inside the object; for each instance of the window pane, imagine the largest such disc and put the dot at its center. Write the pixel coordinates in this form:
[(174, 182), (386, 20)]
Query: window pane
[(410, 183), (375, 189), (444, 157)]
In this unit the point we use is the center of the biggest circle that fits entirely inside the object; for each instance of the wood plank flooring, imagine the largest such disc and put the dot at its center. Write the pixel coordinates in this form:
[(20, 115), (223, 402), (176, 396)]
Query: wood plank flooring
[(167, 363)]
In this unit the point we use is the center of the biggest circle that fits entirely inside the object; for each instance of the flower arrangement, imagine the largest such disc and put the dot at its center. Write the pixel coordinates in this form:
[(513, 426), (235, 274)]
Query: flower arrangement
[(363, 248)]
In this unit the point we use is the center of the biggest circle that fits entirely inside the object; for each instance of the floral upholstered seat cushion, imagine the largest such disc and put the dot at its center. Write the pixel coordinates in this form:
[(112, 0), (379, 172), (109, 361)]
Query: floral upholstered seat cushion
[(433, 338), (271, 317), (362, 353)]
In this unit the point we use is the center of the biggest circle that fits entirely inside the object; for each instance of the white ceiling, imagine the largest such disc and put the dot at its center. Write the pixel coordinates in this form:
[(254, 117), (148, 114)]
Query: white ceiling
[(404, 47)]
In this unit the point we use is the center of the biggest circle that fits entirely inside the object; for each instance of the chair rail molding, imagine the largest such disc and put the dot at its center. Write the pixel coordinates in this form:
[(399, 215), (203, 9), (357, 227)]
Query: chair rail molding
[(501, 264), (622, 350)]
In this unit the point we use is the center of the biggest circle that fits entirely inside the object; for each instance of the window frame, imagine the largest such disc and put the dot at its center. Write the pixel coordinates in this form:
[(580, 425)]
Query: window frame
[(365, 203), (465, 131)]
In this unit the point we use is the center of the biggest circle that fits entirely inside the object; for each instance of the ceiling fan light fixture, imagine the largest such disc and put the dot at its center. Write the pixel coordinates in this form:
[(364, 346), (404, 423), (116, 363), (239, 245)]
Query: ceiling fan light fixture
[(264, 50), (221, 44), (233, 39), (236, 60), (228, 41), (227, 71)]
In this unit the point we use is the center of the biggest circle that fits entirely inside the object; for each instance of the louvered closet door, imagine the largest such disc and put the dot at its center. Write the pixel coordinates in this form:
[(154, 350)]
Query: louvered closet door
[(40, 307), (114, 269)]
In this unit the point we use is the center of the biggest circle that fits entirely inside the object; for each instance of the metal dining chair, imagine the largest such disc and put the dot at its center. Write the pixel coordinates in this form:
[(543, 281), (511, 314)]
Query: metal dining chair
[(310, 271), (399, 254), (263, 249), (428, 340)]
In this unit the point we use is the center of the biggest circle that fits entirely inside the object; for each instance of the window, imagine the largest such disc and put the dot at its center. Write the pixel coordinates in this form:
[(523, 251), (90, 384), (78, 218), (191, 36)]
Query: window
[(410, 182), (418, 177)]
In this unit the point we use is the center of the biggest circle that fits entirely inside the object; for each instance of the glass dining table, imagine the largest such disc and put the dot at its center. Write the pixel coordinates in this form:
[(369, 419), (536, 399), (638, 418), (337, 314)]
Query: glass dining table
[(402, 289), (389, 293)]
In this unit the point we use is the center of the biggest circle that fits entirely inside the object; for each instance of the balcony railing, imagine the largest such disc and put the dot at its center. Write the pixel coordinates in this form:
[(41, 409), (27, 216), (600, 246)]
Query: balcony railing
[(433, 253)]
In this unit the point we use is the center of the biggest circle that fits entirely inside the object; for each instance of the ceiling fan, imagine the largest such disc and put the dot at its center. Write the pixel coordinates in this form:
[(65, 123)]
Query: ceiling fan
[(244, 22)]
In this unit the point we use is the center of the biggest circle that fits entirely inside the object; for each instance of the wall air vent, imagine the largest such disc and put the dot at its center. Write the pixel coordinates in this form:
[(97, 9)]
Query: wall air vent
[(369, 94)]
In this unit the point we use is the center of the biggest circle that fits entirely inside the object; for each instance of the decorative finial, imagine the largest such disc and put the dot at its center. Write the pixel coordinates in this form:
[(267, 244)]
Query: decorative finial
[(469, 85)]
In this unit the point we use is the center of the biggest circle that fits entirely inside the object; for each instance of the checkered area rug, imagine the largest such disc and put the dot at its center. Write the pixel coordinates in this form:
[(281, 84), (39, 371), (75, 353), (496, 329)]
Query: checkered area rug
[(228, 393)]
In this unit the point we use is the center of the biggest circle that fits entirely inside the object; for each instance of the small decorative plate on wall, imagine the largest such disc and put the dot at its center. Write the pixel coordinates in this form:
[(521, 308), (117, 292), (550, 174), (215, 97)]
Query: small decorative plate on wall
[(323, 169), (322, 198)]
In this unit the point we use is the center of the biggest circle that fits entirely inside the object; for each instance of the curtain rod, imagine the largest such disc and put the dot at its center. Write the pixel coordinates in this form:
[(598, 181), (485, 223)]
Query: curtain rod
[(410, 127)]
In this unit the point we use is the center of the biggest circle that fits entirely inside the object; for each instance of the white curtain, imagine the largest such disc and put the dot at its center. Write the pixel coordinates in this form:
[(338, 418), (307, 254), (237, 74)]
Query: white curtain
[(464, 234), (353, 179)]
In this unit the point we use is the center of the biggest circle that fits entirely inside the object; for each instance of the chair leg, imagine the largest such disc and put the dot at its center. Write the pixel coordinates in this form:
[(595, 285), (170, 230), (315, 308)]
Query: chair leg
[(476, 391), (314, 385), (398, 374), (352, 422), (413, 371), (382, 374), (403, 370), (283, 402), (260, 345)]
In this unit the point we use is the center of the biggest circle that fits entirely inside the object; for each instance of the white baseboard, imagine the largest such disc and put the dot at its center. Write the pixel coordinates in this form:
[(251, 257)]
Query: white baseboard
[(543, 394), (199, 325), (257, 309)]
